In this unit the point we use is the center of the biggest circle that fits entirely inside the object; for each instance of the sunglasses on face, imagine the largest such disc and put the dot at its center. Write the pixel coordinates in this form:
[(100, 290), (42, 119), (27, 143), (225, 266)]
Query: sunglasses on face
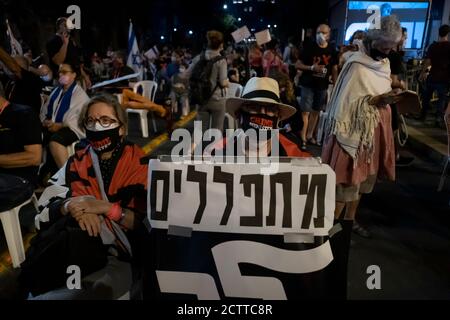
[(264, 109)]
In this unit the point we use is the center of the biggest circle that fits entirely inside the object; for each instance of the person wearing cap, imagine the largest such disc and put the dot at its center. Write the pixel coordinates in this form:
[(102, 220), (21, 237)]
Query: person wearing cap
[(259, 108)]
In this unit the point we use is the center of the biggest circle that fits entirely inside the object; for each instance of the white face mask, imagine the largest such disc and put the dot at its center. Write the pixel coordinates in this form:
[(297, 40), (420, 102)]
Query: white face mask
[(321, 38), (182, 69), (359, 43)]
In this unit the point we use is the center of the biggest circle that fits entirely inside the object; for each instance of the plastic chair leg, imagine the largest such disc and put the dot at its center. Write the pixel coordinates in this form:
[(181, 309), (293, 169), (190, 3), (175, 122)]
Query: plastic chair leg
[(13, 234), (144, 125), (443, 176), (230, 121), (153, 123)]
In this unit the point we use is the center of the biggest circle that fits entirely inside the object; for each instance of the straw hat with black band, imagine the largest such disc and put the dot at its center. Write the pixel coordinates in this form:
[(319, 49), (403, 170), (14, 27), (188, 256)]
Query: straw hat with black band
[(264, 91)]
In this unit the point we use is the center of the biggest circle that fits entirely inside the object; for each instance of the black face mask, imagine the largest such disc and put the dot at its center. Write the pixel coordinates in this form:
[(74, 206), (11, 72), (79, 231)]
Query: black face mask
[(261, 123), (377, 54), (104, 141)]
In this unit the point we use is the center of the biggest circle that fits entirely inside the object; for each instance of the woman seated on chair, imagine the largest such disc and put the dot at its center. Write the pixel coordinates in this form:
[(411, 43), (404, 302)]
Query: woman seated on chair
[(60, 114), (106, 195)]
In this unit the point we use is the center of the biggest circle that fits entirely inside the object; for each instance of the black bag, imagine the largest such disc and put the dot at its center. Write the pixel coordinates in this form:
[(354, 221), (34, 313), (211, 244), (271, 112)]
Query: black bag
[(200, 86), (13, 191), (52, 251)]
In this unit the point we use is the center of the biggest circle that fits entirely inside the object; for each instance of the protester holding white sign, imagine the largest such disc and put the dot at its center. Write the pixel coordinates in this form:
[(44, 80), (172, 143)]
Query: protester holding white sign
[(260, 109), (240, 216)]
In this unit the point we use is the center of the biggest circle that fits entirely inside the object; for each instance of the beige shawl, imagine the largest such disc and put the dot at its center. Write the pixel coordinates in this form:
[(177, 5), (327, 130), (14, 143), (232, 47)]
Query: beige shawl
[(350, 118)]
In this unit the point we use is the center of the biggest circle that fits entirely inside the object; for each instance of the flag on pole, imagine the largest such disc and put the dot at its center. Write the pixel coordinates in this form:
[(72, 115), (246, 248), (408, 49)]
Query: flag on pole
[(16, 47), (134, 60)]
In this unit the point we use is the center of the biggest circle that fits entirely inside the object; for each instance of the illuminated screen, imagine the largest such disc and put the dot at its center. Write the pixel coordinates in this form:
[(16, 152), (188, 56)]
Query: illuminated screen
[(412, 16)]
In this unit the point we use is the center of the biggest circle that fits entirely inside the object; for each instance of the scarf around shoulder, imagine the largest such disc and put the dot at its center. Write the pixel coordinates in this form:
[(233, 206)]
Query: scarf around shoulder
[(64, 104), (350, 117), (128, 184)]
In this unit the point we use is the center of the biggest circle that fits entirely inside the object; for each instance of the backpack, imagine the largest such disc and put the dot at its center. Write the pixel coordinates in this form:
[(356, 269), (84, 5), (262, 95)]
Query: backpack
[(13, 191), (200, 86), (53, 250)]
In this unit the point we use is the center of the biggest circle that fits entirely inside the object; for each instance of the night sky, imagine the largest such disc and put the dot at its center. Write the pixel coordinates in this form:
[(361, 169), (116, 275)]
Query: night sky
[(105, 23)]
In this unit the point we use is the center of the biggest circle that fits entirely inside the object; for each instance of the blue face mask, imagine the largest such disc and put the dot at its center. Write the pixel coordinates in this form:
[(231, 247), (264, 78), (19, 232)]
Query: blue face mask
[(321, 38), (46, 78)]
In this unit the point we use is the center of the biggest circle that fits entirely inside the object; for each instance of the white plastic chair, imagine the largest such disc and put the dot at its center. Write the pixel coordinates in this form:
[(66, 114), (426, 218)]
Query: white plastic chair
[(148, 91), (234, 90), (13, 233), (71, 148), (444, 172)]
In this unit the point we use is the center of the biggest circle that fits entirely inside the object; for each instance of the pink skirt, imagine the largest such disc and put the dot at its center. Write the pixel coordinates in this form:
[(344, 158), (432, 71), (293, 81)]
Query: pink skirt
[(381, 162)]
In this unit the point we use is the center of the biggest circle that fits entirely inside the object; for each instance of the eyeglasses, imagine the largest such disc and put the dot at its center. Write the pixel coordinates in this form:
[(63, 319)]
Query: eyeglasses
[(104, 121), (65, 71)]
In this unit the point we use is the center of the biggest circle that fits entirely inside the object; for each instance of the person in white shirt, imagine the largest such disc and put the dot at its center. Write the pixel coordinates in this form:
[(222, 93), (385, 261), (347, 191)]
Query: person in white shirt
[(60, 114)]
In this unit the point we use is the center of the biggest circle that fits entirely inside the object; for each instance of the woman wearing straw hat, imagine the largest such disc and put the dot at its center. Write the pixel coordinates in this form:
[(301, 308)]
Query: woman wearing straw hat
[(259, 108)]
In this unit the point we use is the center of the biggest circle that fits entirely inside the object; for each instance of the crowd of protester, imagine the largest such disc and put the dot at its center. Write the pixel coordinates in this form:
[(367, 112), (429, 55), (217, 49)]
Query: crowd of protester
[(46, 108)]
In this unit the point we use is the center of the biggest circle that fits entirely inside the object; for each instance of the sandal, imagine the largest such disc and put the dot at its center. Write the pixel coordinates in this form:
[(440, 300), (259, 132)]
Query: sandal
[(360, 230), (312, 141), (303, 146)]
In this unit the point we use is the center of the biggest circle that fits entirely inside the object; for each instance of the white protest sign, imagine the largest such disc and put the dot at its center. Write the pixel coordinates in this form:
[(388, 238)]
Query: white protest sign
[(241, 34), (263, 37), (237, 198)]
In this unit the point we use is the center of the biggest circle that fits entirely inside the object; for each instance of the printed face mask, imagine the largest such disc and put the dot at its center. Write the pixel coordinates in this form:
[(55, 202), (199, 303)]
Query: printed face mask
[(102, 139), (261, 123)]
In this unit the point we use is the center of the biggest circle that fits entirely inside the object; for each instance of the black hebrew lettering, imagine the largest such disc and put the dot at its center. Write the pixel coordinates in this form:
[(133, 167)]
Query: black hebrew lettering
[(285, 179), (200, 177), (318, 183), (258, 181), (177, 181), (165, 177), (319, 222), (227, 179)]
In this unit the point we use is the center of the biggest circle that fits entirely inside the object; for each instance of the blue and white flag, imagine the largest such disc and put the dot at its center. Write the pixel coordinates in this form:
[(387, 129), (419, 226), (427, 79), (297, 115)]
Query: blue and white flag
[(134, 56), (16, 47)]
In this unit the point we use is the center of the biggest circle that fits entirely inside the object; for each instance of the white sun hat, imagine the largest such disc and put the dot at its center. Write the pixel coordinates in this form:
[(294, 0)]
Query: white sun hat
[(265, 91)]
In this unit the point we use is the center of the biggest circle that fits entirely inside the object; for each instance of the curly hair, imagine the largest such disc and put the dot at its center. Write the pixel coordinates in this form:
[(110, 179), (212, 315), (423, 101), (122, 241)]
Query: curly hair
[(390, 31), (285, 84)]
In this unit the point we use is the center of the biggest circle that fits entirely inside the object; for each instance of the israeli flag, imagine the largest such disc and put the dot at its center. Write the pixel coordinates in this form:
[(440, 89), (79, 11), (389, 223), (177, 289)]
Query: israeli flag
[(16, 47), (134, 56)]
